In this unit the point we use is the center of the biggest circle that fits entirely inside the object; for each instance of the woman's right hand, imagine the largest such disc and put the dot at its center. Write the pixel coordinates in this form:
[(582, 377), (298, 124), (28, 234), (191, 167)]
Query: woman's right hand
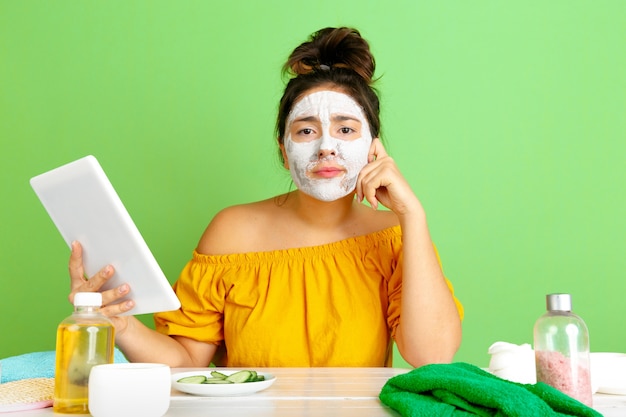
[(80, 283)]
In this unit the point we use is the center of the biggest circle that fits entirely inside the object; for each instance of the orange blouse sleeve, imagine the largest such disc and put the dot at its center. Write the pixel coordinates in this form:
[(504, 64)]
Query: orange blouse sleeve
[(394, 290), (201, 290)]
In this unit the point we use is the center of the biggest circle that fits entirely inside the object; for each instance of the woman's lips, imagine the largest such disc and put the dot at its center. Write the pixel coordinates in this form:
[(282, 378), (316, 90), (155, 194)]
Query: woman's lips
[(328, 172)]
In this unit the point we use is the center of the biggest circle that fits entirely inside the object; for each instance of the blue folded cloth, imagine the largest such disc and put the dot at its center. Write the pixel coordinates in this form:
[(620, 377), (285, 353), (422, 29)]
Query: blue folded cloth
[(37, 365), (462, 389)]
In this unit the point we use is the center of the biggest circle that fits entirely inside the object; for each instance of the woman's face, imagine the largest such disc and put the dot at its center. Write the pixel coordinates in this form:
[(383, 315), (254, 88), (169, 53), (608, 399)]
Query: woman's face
[(327, 144)]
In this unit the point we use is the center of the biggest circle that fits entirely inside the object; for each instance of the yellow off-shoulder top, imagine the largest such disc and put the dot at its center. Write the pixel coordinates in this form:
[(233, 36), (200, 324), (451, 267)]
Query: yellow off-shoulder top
[(336, 304)]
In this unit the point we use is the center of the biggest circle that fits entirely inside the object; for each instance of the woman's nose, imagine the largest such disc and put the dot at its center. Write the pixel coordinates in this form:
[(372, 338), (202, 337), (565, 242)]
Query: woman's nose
[(327, 147), (326, 152)]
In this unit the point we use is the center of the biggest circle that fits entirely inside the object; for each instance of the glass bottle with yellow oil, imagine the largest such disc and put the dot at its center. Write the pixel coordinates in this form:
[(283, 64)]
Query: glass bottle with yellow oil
[(84, 339)]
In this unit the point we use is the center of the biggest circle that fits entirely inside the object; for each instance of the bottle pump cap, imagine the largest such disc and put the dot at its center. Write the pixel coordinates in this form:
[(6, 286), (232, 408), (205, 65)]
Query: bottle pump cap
[(86, 299), (559, 302)]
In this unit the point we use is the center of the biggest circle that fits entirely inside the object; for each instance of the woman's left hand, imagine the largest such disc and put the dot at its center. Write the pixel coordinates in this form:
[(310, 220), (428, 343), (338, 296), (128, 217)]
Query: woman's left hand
[(380, 181)]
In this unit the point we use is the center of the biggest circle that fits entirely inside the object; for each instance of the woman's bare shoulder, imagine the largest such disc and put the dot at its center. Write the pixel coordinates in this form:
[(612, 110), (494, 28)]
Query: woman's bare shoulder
[(235, 228), (375, 220)]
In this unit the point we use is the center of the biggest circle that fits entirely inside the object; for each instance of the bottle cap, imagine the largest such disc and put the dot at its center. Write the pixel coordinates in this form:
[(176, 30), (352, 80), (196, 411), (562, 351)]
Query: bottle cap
[(86, 299), (559, 302)]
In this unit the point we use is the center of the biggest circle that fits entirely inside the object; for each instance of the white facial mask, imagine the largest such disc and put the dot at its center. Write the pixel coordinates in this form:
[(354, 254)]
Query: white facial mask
[(304, 157)]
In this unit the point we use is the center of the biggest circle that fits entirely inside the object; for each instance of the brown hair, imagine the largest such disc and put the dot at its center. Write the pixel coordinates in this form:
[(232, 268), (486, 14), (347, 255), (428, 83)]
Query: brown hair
[(337, 57)]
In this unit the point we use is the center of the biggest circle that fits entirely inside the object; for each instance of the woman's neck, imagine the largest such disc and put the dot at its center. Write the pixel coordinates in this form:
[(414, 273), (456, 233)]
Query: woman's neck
[(322, 214)]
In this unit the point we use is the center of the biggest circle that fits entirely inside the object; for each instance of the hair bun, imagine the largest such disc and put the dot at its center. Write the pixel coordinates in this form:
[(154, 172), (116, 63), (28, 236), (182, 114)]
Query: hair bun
[(331, 48)]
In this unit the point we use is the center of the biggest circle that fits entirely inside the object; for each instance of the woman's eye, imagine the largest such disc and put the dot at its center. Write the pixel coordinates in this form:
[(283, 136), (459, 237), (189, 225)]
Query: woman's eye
[(346, 130), (306, 131)]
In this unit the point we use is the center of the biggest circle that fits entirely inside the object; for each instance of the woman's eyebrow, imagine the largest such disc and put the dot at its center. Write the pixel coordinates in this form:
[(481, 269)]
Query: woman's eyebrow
[(343, 118), (306, 119), (334, 118)]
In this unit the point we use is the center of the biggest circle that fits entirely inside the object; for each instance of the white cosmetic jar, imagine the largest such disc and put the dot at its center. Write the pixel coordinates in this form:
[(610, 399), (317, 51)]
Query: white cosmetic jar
[(129, 389)]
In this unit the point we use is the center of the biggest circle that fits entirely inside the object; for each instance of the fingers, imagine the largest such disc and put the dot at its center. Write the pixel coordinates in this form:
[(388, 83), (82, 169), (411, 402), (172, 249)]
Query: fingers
[(373, 185), (377, 150), (381, 182), (77, 273), (110, 309), (367, 184), (78, 279), (80, 283), (110, 306)]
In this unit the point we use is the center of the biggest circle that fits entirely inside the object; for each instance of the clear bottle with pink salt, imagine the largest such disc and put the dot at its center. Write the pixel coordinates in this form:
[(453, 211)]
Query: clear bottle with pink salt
[(562, 349)]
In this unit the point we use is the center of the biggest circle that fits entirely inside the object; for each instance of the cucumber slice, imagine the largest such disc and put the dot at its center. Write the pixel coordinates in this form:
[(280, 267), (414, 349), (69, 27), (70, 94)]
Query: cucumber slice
[(220, 378), (217, 381), (196, 379), (255, 377), (238, 377), (218, 375)]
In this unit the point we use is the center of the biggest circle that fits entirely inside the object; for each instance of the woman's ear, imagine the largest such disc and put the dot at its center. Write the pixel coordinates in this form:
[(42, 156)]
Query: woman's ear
[(282, 151)]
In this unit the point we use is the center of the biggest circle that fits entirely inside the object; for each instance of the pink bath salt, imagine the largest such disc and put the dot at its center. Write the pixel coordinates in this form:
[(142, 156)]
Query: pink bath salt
[(558, 371)]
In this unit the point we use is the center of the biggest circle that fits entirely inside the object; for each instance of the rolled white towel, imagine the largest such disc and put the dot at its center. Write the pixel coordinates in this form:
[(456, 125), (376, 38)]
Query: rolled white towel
[(513, 362)]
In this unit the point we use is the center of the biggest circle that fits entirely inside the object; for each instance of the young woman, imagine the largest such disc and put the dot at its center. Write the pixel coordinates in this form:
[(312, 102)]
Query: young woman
[(313, 277)]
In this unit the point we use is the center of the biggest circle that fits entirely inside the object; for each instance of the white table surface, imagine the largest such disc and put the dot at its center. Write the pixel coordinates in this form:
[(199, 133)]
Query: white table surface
[(311, 392)]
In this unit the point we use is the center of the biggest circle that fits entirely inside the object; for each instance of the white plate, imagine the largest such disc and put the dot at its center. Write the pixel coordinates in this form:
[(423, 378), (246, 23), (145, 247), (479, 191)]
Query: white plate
[(221, 390), (616, 390)]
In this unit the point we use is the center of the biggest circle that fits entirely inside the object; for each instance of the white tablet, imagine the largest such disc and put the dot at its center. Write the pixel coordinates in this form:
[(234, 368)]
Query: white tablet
[(85, 207)]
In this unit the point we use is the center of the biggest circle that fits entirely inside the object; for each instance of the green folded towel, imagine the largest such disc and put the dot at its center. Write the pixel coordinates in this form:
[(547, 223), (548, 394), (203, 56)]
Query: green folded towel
[(462, 389)]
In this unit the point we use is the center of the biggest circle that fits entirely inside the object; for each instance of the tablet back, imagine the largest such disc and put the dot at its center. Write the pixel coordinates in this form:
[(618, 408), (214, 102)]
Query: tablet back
[(85, 207)]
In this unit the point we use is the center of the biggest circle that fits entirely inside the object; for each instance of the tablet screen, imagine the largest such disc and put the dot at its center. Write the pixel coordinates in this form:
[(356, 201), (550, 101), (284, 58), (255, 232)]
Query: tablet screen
[(84, 206)]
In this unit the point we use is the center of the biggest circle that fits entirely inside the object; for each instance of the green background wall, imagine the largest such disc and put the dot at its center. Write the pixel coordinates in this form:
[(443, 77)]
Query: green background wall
[(507, 117)]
